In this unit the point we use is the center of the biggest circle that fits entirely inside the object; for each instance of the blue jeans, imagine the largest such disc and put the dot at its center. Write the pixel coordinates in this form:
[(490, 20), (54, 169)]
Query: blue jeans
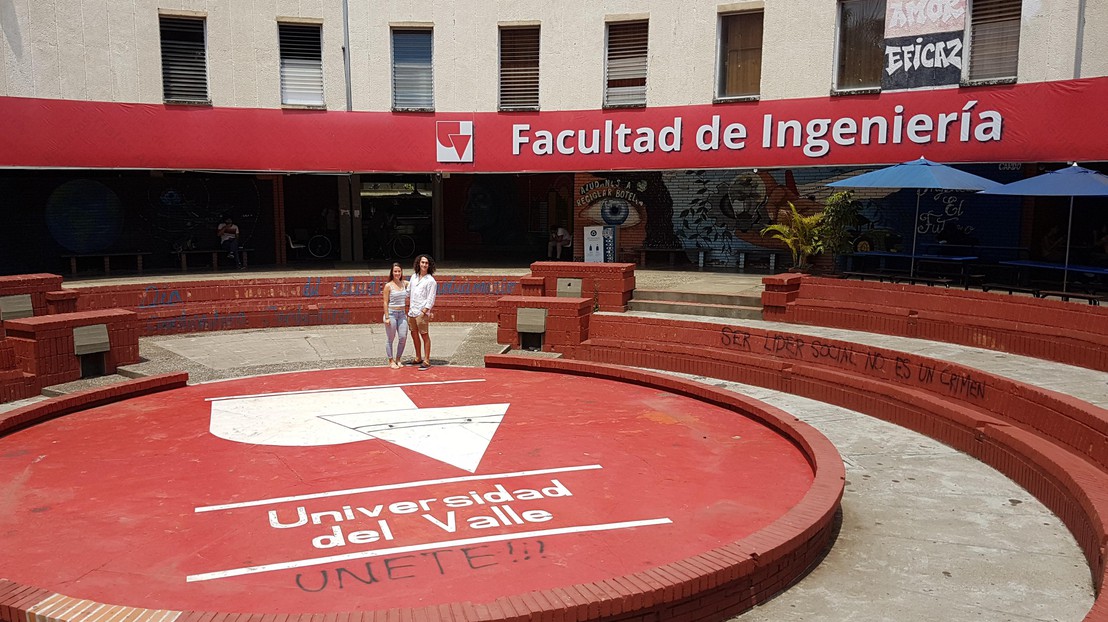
[(231, 247), (398, 325)]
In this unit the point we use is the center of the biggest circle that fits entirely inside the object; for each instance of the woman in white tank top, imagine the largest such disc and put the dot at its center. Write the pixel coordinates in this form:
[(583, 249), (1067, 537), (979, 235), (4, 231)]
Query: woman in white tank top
[(396, 314)]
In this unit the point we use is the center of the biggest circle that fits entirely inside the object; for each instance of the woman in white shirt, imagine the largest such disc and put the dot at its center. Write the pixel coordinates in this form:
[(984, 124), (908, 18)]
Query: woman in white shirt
[(396, 324)]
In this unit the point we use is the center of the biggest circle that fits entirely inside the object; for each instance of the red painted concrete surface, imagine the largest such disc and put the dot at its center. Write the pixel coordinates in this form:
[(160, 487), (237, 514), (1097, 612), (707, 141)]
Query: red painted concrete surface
[(103, 502)]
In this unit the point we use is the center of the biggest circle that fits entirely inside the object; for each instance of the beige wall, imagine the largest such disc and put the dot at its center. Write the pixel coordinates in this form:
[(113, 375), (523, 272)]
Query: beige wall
[(109, 49)]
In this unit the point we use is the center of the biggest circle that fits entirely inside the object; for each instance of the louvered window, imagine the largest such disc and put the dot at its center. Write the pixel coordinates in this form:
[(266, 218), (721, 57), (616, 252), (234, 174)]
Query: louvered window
[(994, 44), (184, 60), (412, 76), (625, 69), (861, 44), (740, 51), (301, 64), (519, 68)]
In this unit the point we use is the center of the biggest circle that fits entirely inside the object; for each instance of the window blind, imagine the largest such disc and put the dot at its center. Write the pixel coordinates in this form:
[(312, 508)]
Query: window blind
[(625, 69), (184, 60), (301, 64), (412, 77), (519, 68), (994, 39)]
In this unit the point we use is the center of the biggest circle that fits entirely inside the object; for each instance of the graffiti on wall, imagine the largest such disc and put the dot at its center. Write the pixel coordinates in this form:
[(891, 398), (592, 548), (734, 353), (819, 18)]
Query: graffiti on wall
[(723, 212), (923, 43)]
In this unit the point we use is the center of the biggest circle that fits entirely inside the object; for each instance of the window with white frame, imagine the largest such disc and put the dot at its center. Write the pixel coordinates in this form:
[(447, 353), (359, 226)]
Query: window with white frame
[(412, 76), (740, 54), (861, 52), (184, 60), (519, 68), (301, 64), (994, 39), (625, 66)]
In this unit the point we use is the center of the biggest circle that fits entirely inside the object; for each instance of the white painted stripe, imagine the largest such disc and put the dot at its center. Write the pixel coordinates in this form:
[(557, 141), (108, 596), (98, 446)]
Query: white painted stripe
[(73, 610), (45, 603), (426, 482), (62, 613), (100, 613), (301, 563), (40, 610), (375, 386), (92, 613)]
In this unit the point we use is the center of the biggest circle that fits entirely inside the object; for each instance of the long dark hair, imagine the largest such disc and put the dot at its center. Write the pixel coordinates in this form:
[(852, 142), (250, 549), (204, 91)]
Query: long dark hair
[(394, 266), (430, 264)]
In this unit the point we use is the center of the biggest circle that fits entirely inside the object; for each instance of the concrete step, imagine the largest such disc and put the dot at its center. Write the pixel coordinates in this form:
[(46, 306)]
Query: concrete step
[(697, 308), (735, 300)]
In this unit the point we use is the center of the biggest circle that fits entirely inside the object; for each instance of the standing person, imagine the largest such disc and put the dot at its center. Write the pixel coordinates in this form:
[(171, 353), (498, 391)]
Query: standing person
[(396, 322), (229, 239), (559, 239), (422, 288)]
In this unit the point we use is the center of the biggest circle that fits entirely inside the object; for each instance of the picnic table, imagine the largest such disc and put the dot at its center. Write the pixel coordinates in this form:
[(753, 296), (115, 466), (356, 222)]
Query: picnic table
[(948, 265)]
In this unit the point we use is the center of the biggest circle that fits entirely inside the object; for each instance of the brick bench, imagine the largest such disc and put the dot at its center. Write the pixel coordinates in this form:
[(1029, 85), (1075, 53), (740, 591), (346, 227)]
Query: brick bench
[(642, 252)]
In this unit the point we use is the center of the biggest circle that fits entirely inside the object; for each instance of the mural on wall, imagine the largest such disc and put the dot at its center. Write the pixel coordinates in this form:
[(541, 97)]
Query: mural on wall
[(53, 214), (84, 216), (639, 204), (923, 43), (184, 212), (724, 211)]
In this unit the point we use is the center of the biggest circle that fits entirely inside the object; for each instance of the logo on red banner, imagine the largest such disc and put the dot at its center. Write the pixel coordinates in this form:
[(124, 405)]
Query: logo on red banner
[(454, 141)]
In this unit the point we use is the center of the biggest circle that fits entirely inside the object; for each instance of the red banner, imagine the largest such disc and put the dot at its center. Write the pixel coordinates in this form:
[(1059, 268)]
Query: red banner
[(1049, 121)]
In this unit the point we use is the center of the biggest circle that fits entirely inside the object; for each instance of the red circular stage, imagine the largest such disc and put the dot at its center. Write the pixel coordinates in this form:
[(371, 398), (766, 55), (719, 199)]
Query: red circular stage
[(374, 489)]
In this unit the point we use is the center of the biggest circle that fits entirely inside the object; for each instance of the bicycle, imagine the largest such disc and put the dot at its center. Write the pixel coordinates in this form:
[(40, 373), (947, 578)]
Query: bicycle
[(400, 245), (319, 246)]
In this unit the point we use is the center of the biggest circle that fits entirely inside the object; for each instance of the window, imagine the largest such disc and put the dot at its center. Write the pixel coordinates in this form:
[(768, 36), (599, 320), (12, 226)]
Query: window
[(625, 69), (861, 44), (301, 64), (994, 39), (740, 54), (184, 60), (412, 78), (519, 68)]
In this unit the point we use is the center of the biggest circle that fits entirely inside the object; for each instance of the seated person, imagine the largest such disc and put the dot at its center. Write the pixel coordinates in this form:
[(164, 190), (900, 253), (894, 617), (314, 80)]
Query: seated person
[(228, 233), (559, 239)]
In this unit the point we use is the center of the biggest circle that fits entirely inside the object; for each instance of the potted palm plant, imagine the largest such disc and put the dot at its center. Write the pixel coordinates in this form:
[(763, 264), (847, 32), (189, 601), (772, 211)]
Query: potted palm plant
[(801, 234)]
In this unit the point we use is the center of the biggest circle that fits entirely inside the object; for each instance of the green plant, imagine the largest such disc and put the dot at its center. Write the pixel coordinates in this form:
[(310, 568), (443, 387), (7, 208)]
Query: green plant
[(840, 218), (800, 234)]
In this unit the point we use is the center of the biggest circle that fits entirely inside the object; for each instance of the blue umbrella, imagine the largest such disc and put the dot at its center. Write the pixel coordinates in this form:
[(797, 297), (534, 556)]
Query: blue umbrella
[(921, 174), (1072, 181)]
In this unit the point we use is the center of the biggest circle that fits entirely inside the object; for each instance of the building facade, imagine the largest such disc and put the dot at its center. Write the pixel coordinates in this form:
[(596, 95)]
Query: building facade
[(472, 128)]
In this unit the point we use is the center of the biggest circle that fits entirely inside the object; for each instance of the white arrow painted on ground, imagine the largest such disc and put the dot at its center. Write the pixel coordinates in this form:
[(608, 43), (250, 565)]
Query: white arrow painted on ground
[(456, 435)]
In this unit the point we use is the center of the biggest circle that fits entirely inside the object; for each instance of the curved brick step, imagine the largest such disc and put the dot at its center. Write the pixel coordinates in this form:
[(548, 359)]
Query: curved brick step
[(1053, 445)]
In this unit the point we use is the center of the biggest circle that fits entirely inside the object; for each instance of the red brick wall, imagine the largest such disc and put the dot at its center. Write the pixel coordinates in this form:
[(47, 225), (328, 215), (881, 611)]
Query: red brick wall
[(43, 346), (1066, 332), (196, 306), (608, 285)]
